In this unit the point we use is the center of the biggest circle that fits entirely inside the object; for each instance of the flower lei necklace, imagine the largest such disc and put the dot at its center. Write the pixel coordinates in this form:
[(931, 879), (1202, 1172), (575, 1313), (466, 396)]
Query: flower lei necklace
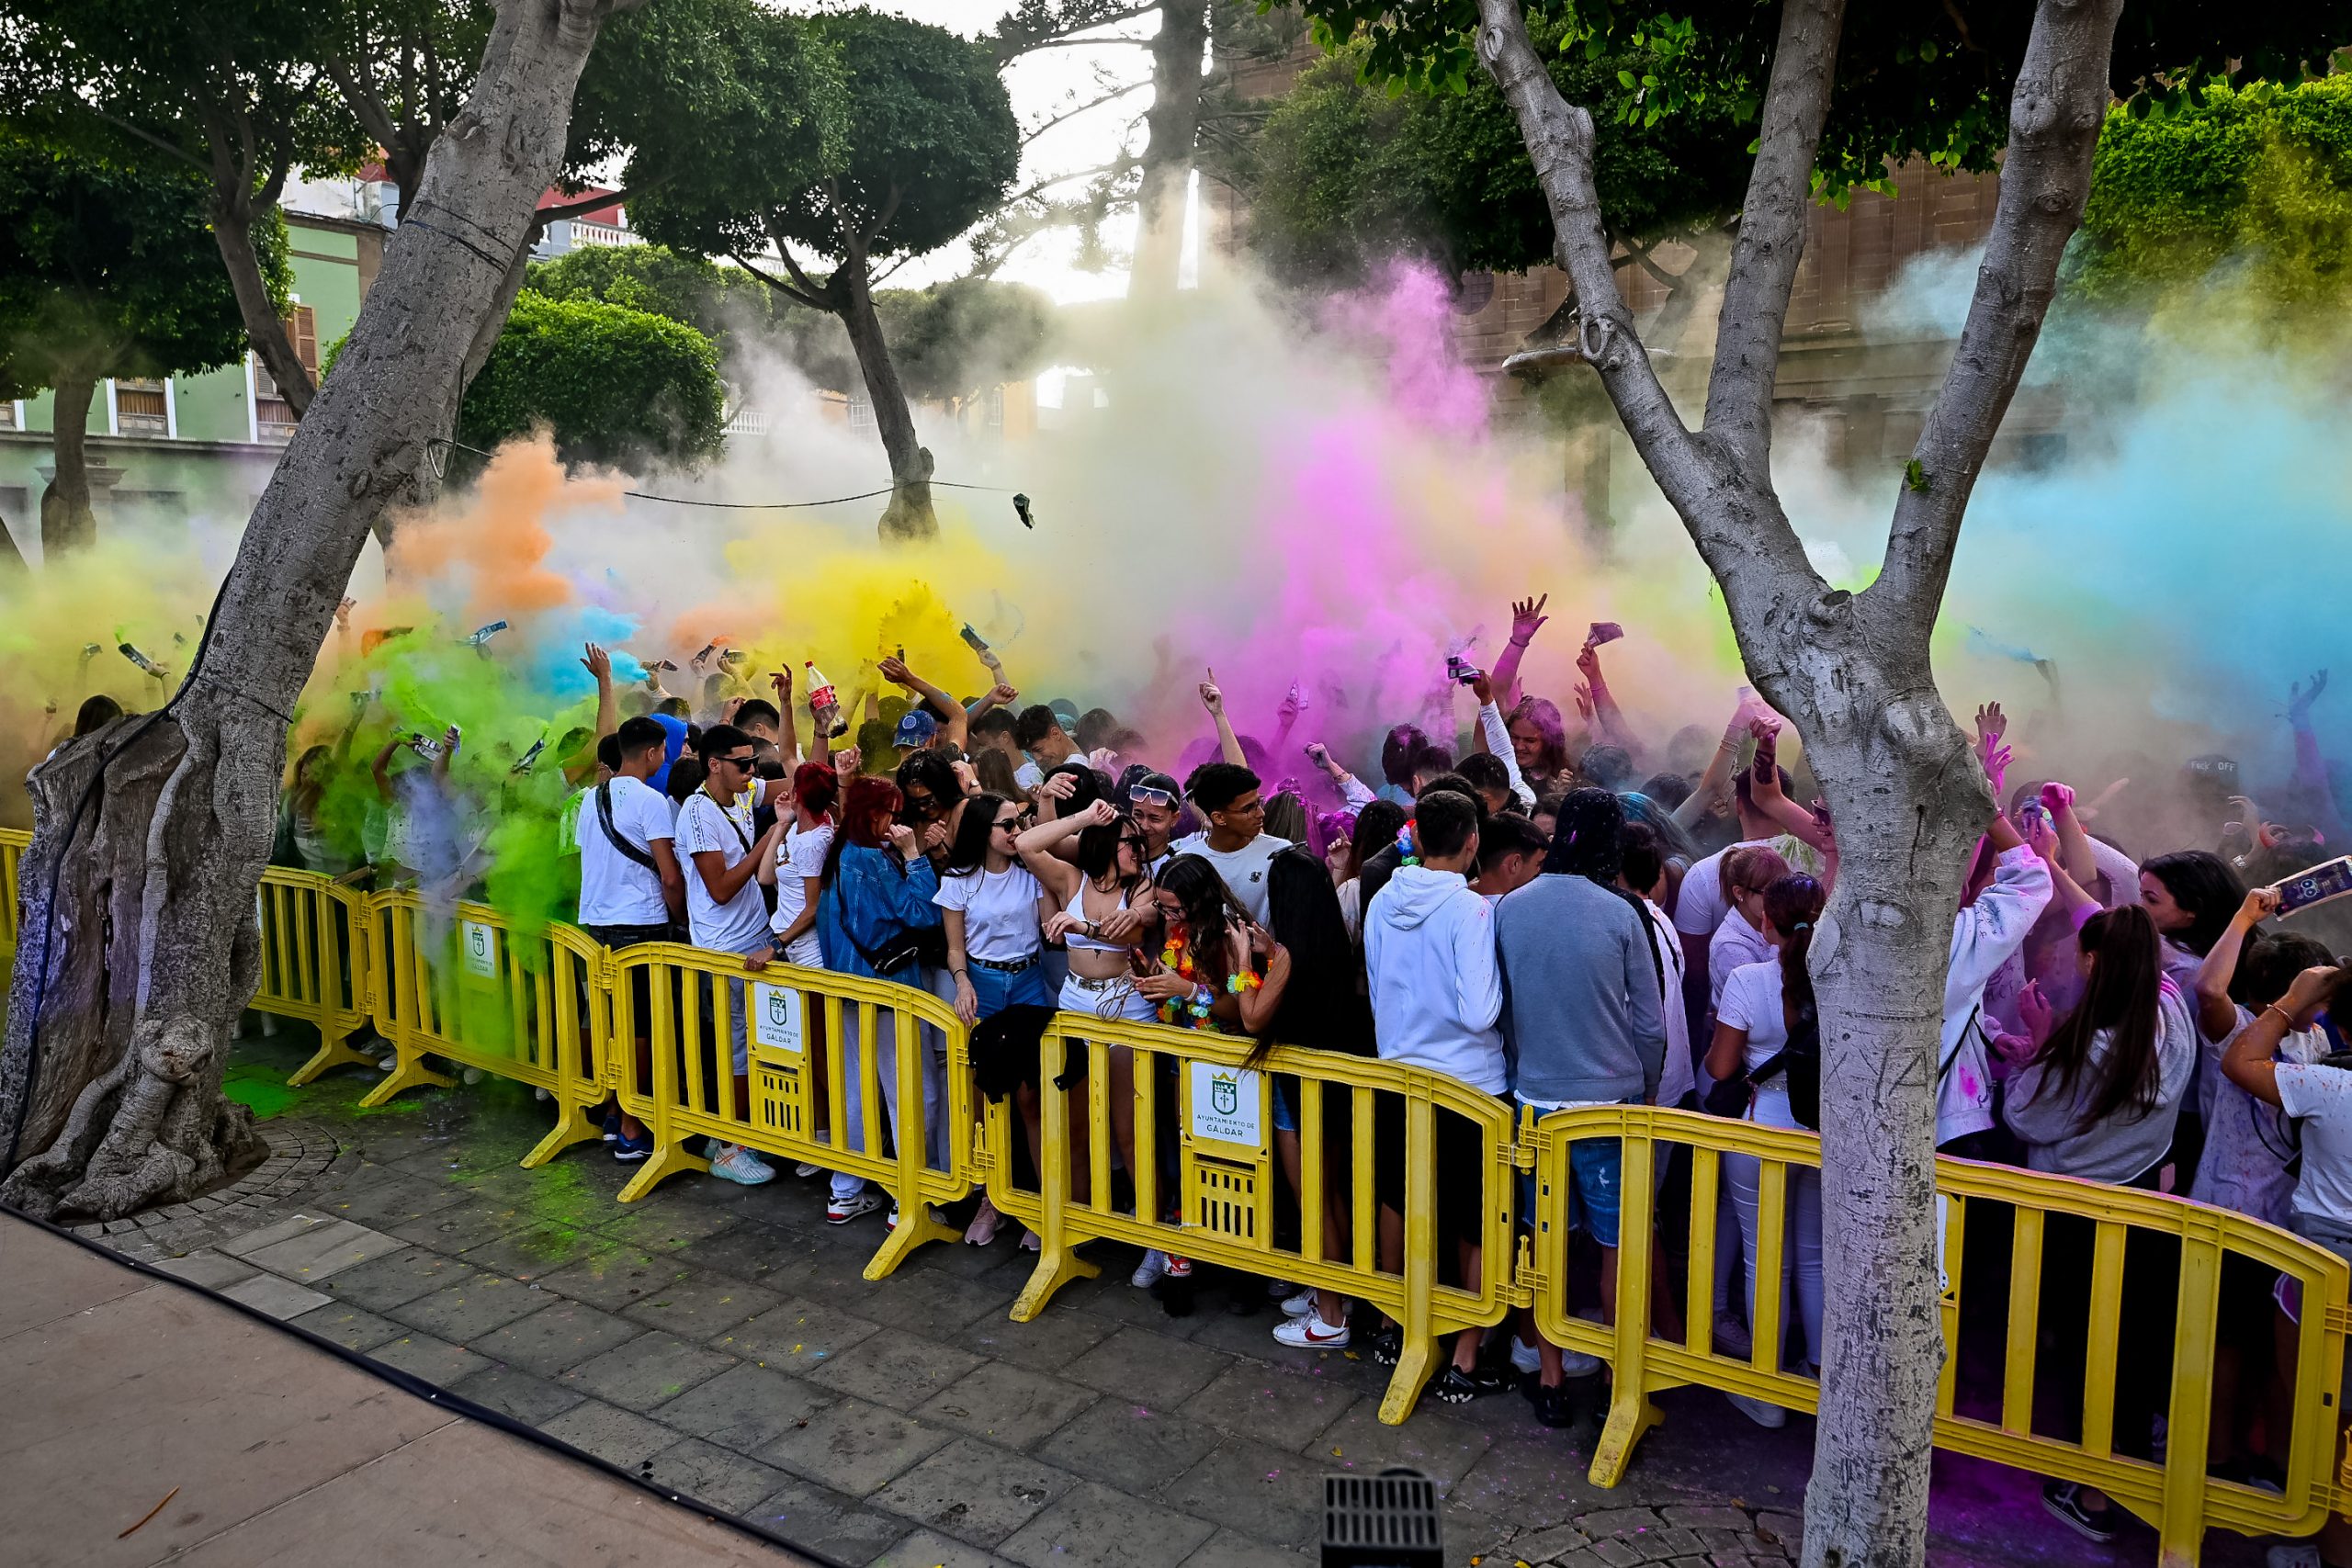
[(1405, 855), (1177, 955)]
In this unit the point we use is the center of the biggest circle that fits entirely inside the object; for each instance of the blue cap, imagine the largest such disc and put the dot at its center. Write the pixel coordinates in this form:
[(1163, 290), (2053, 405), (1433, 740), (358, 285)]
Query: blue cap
[(916, 728)]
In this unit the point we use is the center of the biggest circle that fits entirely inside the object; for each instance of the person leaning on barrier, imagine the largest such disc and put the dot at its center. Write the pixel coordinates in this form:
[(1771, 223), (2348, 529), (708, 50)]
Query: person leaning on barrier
[(631, 889), (2318, 1095), (725, 910), (1436, 996)]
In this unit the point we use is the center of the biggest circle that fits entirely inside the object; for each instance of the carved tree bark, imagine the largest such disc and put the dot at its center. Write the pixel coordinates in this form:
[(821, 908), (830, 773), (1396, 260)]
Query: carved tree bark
[(138, 949), (1852, 671), (1171, 125)]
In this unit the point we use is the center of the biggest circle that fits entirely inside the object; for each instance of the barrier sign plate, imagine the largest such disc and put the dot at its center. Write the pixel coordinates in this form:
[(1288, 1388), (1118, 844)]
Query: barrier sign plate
[(1227, 1104)]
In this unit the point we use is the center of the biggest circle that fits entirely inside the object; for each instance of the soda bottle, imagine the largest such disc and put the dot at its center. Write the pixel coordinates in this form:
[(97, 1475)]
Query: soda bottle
[(824, 706)]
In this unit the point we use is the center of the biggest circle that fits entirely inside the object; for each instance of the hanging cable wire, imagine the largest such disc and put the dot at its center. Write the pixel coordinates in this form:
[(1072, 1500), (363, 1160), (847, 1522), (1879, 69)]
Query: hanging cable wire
[(746, 505)]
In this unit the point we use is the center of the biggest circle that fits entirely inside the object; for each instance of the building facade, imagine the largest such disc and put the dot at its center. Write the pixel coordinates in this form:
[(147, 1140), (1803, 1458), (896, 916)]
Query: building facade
[(191, 445)]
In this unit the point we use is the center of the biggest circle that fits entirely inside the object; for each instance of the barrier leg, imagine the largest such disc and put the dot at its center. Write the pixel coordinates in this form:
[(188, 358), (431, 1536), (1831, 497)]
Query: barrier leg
[(916, 1226), (1058, 1261), (573, 1125), (916, 1126), (669, 1158), (335, 1051), (410, 1073), (1418, 1357), (1630, 1411), (1414, 1364)]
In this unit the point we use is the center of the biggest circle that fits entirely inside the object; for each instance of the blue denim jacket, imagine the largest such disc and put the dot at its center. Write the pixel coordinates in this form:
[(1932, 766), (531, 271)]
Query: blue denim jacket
[(872, 900)]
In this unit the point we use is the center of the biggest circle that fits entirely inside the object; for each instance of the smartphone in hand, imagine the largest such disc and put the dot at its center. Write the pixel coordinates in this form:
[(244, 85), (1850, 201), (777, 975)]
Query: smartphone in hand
[(2316, 885)]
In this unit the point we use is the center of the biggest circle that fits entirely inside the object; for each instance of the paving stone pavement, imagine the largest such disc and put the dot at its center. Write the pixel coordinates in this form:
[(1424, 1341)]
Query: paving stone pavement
[(723, 1341)]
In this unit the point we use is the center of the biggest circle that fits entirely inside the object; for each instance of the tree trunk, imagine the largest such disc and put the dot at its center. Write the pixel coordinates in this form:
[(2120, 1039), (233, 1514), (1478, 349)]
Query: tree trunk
[(1172, 126), (1852, 671), (909, 513), (66, 521), (232, 231), (138, 951)]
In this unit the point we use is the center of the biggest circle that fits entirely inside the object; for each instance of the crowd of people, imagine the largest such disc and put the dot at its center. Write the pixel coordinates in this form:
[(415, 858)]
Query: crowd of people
[(1545, 904)]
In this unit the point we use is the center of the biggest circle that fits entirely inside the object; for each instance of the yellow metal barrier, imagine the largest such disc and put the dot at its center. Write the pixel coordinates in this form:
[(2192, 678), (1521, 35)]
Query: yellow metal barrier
[(314, 961), (13, 841), (462, 986), (811, 1093), (2174, 1494), (1221, 1147)]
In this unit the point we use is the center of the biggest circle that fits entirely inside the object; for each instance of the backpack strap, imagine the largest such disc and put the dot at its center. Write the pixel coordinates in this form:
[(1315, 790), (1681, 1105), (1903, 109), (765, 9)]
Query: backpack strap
[(621, 846)]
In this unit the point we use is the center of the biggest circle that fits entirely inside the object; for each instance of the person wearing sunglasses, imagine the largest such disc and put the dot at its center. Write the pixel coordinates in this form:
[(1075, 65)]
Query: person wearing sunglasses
[(725, 910), (1155, 805)]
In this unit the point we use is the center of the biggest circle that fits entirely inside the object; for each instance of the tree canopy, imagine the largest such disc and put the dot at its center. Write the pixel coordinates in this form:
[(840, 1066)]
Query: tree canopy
[(1343, 172), (1925, 82), (717, 301), (615, 385), (2259, 176)]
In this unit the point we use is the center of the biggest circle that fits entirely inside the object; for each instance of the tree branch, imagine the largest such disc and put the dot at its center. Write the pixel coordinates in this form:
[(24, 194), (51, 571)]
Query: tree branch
[(1559, 140), (1073, 113), (1772, 232), (1088, 43), (806, 294), (1010, 48), (2055, 113)]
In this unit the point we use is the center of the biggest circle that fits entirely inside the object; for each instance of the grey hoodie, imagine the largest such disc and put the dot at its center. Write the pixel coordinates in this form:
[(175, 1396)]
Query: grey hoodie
[(1581, 1008)]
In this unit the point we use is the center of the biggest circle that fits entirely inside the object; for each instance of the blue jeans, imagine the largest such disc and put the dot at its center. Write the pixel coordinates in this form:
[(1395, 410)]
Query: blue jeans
[(998, 990)]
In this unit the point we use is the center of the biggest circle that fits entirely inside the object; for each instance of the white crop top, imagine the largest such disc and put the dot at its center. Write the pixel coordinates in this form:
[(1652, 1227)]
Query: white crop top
[(1077, 911)]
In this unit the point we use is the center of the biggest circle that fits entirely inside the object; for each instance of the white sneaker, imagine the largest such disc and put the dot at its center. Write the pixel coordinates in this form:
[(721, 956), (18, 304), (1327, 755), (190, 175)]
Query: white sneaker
[(840, 1211), (1147, 1272), (804, 1170), (741, 1165), (1762, 1412), (471, 1075), (391, 1063), (1525, 1357), (1578, 1364), (2293, 1554), (1300, 1305), (1311, 1333)]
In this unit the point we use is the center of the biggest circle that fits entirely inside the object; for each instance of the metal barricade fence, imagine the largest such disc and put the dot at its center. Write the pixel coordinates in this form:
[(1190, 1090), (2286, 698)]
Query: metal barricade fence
[(1203, 1134), (13, 841), (314, 961), (899, 1116), (2173, 1493), (463, 986)]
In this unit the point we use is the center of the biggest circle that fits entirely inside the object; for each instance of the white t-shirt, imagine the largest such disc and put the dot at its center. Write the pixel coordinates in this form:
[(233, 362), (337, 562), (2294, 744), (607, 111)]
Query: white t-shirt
[(1701, 905), (2321, 1096), (1681, 1076), (741, 923), (1000, 911), (1751, 1000), (798, 860), (1734, 945), (2119, 871), (1244, 869), (614, 889), (1028, 775), (2247, 1145)]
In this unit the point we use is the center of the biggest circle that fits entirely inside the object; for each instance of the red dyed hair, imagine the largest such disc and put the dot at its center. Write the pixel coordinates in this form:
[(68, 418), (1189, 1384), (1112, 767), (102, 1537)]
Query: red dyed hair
[(866, 799), (816, 786)]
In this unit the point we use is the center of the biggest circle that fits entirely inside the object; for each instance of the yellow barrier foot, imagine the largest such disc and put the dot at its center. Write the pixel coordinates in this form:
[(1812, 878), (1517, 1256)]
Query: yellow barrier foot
[(917, 1225), (1629, 1415), (1414, 1364), (1056, 1267), (335, 1052), (413, 1073), (574, 1126), (666, 1161)]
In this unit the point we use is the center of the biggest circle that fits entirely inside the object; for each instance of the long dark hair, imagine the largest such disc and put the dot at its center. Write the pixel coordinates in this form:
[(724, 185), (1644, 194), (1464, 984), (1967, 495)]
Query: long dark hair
[(1320, 1006), (2121, 1001), (1792, 905), (1098, 853), (2202, 884), (968, 850), (1210, 914), (1377, 825)]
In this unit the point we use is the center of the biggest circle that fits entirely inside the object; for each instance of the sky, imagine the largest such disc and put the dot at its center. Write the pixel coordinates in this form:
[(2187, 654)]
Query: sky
[(1045, 83)]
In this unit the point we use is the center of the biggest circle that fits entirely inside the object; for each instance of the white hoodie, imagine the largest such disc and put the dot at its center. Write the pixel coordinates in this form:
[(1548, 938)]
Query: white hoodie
[(1437, 992), (1987, 934)]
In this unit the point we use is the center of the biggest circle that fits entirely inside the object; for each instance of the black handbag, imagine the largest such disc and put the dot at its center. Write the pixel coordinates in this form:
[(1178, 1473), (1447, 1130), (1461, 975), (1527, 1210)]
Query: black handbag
[(1800, 1062)]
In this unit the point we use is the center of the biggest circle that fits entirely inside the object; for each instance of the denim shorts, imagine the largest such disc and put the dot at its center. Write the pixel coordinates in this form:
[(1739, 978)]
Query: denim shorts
[(998, 989), (1596, 1169)]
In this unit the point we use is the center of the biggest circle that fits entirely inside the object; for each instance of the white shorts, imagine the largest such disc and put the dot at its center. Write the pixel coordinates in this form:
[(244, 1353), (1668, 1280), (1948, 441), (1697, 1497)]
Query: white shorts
[(1113, 998)]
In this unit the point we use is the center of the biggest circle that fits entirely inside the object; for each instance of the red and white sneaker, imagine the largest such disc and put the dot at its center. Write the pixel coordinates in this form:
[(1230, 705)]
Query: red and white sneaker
[(1309, 1332)]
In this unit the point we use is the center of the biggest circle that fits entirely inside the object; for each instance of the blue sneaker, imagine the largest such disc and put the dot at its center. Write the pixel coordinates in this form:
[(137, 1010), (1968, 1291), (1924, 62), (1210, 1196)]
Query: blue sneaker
[(612, 1124), (628, 1150)]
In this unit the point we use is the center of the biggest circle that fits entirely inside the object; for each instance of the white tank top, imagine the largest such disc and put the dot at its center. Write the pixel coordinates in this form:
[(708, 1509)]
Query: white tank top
[(1077, 911)]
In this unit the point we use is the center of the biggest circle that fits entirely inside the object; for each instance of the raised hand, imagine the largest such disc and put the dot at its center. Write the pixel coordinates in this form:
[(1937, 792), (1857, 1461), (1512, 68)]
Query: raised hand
[(1991, 724), (1005, 694), (1212, 698), (893, 670), (967, 778), (1584, 700), (902, 839), (782, 680), (342, 612), (1291, 706), (2300, 698), (1101, 814), (1060, 786), (1483, 688), (1527, 618), (2057, 800), (2034, 828), (1318, 754), (846, 761)]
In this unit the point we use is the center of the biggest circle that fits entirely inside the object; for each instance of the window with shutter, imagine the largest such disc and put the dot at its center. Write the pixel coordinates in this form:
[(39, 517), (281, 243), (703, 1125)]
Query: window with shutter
[(273, 415), (139, 408)]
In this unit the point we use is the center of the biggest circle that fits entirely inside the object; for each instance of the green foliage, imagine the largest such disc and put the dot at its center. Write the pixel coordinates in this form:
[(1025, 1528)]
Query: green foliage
[(616, 385), (927, 145), (107, 268), (717, 301), (2260, 178), (1927, 82), (1344, 172)]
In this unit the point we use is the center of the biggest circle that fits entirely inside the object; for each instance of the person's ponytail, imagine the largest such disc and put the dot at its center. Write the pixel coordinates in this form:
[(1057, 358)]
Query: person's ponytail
[(1792, 906)]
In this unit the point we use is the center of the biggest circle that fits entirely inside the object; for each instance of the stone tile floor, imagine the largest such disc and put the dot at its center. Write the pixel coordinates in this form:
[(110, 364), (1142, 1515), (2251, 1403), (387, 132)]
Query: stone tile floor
[(722, 1341)]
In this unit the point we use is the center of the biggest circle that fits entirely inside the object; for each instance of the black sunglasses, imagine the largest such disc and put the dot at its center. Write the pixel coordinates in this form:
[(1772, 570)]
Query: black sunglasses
[(748, 761)]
